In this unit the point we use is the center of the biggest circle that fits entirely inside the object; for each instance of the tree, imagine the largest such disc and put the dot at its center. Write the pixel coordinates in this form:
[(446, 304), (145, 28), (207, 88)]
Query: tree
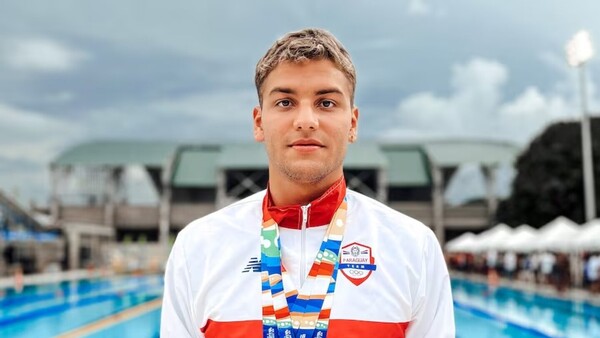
[(549, 180)]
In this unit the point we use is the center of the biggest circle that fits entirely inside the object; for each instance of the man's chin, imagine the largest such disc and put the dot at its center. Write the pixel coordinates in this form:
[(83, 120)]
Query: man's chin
[(306, 174)]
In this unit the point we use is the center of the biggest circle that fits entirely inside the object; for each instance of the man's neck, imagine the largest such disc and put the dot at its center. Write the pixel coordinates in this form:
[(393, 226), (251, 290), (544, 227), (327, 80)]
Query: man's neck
[(286, 192)]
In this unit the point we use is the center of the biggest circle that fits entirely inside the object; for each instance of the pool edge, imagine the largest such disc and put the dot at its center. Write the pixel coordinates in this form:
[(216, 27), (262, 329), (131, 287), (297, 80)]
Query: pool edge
[(114, 319)]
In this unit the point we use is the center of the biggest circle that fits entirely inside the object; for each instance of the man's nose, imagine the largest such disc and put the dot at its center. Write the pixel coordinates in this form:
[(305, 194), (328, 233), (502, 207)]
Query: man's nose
[(306, 118)]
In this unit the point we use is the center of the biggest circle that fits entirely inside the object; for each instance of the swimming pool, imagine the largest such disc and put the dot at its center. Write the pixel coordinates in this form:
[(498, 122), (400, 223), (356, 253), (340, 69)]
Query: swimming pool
[(52, 309), (506, 312)]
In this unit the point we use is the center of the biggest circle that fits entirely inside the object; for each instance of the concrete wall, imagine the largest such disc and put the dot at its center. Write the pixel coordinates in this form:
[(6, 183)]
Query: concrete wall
[(136, 217), (147, 217)]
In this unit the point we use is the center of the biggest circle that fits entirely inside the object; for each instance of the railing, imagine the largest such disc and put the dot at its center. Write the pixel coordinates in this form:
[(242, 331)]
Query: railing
[(469, 216), (147, 217), (184, 213), (136, 217), (94, 215), (423, 211)]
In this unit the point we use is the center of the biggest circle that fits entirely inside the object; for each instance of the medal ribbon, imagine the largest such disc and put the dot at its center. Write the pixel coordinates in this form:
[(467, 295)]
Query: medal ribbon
[(304, 313)]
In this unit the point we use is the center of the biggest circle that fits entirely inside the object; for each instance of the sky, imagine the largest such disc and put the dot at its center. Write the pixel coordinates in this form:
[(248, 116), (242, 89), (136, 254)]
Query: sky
[(73, 71)]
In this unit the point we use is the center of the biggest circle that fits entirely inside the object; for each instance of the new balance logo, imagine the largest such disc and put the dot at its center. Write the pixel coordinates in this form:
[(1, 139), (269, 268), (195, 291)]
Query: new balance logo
[(253, 265)]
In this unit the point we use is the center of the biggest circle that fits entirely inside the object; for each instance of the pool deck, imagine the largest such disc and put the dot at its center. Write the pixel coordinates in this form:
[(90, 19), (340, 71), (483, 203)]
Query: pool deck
[(575, 294)]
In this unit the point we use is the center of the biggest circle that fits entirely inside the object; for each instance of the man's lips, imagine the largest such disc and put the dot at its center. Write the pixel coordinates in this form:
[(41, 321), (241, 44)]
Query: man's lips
[(306, 145)]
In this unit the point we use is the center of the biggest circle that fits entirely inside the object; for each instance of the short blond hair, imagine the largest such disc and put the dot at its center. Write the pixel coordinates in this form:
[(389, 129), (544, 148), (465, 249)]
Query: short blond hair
[(301, 46)]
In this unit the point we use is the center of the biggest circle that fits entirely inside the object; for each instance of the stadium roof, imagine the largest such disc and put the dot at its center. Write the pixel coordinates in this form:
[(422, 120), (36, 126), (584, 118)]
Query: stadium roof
[(408, 166), (118, 153), (243, 156), (253, 156), (197, 165), (365, 156), (452, 153)]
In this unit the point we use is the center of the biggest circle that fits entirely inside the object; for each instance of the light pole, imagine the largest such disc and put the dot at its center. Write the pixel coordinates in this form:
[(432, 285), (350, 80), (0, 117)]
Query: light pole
[(579, 51)]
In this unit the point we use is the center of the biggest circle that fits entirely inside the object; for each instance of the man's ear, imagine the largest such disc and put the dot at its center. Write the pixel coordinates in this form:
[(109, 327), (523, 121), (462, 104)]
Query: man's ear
[(259, 134), (353, 126)]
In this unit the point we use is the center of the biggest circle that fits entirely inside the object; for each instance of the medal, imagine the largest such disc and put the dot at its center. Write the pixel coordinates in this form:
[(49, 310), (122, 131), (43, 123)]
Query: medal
[(300, 313)]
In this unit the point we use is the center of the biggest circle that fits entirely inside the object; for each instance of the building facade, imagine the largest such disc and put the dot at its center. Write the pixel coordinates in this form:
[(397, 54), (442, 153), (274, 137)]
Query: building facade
[(192, 180)]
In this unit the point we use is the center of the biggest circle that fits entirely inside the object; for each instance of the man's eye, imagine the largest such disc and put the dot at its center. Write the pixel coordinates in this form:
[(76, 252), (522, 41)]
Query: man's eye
[(327, 104), (284, 103)]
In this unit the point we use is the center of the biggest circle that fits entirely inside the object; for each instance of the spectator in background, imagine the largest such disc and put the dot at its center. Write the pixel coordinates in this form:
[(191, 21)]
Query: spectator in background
[(491, 259), (547, 261), (561, 272), (592, 269), (510, 264), (534, 266)]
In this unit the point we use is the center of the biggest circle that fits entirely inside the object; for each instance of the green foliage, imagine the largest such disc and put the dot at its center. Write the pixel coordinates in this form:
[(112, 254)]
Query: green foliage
[(549, 180)]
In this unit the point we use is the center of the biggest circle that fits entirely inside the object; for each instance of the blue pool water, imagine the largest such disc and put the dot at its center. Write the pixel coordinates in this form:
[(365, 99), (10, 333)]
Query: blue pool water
[(49, 310), (52, 309), (507, 312)]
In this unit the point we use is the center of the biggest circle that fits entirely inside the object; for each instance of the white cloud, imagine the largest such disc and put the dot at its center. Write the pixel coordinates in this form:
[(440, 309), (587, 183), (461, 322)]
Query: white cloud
[(32, 136), (476, 108), (533, 104), (28, 142), (40, 54), (218, 105), (214, 116), (418, 7), (569, 83), (479, 82), (24, 181)]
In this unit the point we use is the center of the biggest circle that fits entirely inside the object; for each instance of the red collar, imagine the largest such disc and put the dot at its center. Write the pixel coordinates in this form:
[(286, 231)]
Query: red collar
[(320, 212)]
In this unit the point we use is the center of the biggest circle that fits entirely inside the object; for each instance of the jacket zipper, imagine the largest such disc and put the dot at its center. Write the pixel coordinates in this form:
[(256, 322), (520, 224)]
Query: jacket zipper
[(303, 243)]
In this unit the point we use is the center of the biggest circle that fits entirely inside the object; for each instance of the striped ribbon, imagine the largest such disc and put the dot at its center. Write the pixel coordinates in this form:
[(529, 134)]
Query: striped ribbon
[(300, 313)]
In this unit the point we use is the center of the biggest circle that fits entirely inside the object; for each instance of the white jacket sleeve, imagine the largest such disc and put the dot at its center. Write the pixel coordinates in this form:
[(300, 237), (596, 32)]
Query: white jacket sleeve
[(177, 319), (433, 310)]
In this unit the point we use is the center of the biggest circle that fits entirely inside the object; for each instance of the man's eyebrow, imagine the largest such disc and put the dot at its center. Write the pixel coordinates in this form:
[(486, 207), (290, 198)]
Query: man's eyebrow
[(329, 91), (282, 90), (286, 90)]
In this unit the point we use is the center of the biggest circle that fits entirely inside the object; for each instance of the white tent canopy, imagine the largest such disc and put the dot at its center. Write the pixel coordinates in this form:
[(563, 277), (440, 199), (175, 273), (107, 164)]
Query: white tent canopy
[(561, 234), (557, 235), (491, 239), (461, 243), (520, 239), (588, 238)]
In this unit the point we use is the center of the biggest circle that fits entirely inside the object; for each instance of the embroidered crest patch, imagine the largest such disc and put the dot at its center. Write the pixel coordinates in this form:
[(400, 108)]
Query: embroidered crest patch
[(357, 262)]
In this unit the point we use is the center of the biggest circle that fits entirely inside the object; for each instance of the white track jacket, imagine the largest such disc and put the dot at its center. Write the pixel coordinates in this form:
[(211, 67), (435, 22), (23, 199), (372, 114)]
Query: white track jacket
[(213, 285)]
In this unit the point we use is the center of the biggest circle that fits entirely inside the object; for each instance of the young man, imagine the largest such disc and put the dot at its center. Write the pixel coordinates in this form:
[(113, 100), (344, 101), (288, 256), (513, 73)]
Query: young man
[(307, 257)]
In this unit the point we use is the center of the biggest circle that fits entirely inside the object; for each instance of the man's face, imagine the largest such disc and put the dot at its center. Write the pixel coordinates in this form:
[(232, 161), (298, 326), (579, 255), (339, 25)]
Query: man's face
[(306, 121)]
